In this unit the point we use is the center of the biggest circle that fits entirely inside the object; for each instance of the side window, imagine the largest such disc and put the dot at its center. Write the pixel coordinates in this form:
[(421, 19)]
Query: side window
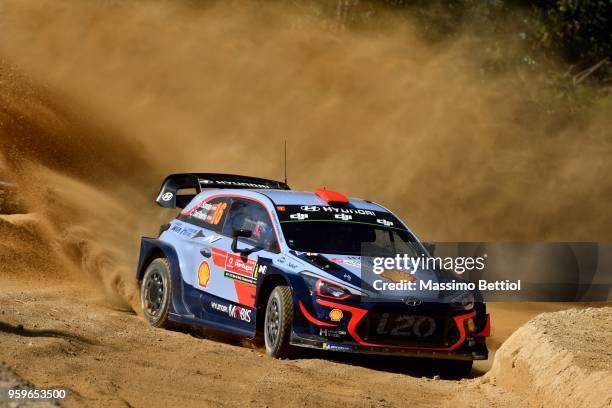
[(208, 215), (249, 215)]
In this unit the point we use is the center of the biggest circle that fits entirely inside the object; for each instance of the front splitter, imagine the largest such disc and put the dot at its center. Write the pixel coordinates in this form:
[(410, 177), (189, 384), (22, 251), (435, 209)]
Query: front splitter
[(477, 352)]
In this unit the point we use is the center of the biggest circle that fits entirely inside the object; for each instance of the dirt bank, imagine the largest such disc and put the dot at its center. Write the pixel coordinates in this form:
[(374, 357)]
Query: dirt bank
[(559, 359)]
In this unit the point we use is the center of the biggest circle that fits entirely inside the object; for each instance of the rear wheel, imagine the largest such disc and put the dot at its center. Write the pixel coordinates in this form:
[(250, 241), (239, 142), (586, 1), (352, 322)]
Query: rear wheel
[(155, 291), (277, 325)]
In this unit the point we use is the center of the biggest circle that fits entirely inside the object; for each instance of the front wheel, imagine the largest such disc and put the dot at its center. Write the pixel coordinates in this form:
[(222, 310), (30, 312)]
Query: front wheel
[(277, 326), (155, 291)]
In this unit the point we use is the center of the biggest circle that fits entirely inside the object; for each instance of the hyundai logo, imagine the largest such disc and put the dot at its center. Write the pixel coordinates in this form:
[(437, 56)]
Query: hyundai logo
[(412, 301)]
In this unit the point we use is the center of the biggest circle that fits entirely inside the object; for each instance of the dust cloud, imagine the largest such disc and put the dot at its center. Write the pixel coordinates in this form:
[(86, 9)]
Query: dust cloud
[(99, 100)]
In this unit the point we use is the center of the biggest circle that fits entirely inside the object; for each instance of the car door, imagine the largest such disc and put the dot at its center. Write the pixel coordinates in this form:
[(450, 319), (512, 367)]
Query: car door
[(205, 222), (243, 268), (229, 278)]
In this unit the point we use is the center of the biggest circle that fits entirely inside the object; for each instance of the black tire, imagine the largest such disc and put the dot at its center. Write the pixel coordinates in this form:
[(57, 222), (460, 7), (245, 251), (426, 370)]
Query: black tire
[(277, 323), (155, 293), (456, 368)]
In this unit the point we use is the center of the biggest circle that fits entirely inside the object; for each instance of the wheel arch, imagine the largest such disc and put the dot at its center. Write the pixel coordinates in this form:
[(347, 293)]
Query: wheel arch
[(267, 285), (153, 248)]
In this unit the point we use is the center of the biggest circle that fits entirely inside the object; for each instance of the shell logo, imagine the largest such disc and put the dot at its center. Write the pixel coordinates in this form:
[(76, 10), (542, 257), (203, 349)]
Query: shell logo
[(336, 315), (204, 274)]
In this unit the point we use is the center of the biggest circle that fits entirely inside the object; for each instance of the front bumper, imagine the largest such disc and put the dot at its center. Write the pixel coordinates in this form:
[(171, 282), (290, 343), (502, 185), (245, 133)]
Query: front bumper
[(459, 335), (478, 351)]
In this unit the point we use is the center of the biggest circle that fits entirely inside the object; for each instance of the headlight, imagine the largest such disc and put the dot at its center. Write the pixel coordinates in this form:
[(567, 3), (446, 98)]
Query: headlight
[(463, 301), (325, 288)]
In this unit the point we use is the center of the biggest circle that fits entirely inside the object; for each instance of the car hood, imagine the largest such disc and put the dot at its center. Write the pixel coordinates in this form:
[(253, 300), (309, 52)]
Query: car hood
[(352, 269)]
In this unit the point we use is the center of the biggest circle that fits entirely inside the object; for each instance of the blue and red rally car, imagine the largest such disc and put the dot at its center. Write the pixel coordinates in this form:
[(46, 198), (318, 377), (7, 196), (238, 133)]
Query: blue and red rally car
[(251, 257)]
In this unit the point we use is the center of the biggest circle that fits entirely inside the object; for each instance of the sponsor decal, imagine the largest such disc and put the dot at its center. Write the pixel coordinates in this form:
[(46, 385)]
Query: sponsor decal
[(240, 278), (406, 326), (234, 183), (234, 311), (217, 213), (313, 213), (356, 211), (235, 263), (335, 315), (354, 262), (343, 217), (241, 313), (325, 332), (219, 257), (259, 269), (212, 238), (167, 196), (289, 263), (336, 347), (338, 210), (219, 307), (293, 265), (411, 301), (243, 271), (201, 212), (203, 274), (183, 231), (209, 213), (384, 222), (194, 233)]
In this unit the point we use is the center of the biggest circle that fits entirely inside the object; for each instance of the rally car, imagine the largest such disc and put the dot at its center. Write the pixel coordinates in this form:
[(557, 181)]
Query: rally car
[(251, 257)]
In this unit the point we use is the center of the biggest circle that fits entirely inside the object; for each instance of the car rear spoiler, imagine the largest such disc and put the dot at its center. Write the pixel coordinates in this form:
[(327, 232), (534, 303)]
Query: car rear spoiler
[(169, 196)]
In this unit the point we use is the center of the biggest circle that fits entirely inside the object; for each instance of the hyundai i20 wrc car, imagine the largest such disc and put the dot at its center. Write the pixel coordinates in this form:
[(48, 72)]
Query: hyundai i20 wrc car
[(251, 257)]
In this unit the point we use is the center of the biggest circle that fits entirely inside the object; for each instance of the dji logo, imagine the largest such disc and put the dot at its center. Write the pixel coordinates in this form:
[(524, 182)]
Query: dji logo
[(299, 216), (384, 222), (343, 217)]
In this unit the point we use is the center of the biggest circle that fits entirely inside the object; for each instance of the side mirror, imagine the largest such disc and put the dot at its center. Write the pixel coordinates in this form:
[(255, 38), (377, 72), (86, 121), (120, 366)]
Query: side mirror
[(239, 233), (430, 247)]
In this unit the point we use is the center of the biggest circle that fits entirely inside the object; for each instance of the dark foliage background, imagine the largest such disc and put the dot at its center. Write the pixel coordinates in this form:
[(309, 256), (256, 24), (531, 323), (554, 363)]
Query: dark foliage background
[(565, 44), (578, 32)]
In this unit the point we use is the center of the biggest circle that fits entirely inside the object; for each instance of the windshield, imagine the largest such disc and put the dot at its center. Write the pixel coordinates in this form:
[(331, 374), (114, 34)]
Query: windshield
[(343, 231)]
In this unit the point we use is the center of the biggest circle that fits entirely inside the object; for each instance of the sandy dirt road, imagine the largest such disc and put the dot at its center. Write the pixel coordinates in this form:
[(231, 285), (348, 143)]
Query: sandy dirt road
[(61, 335)]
